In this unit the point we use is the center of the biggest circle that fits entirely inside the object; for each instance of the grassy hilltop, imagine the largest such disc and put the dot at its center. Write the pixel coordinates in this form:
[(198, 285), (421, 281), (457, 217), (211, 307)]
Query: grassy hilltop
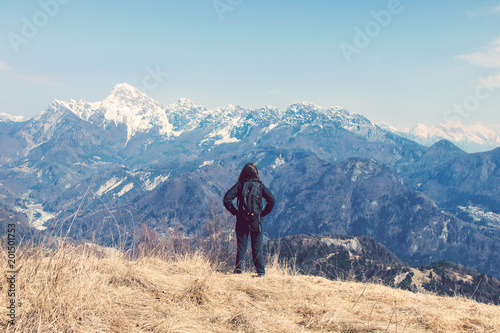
[(83, 288)]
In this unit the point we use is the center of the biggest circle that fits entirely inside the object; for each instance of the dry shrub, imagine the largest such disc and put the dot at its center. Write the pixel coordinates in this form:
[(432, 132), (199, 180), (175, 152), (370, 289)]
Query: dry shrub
[(197, 292), (216, 238), (151, 244)]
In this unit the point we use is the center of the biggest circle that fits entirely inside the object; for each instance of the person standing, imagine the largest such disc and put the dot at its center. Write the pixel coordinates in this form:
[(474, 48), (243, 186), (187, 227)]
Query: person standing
[(249, 191)]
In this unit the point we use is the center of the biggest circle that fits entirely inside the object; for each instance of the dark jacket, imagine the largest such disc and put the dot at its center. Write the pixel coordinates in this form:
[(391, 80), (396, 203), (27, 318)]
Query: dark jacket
[(235, 192)]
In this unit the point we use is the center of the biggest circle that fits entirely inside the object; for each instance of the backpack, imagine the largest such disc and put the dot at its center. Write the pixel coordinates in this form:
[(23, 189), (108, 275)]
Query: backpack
[(250, 202)]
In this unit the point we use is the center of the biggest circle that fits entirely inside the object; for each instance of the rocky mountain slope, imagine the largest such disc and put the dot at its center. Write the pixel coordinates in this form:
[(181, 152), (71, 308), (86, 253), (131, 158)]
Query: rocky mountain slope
[(99, 169)]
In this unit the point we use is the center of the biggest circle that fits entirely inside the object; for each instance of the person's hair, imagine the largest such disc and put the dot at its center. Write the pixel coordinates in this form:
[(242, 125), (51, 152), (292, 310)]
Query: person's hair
[(249, 171)]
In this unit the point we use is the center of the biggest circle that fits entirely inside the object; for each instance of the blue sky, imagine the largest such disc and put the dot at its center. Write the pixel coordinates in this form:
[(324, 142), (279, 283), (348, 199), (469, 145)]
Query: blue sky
[(400, 62)]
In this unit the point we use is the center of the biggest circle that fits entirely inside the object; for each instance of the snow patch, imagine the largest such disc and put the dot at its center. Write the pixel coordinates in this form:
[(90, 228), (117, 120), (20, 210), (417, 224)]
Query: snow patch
[(226, 133), (36, 215), (109, 185), (226, 140), (278, 162), (24, 168), (125, 189), (477, 214), (223, 133), (444, 233), (356, 173), (207, 163), (150, 185), (350, 244), (269, 128)]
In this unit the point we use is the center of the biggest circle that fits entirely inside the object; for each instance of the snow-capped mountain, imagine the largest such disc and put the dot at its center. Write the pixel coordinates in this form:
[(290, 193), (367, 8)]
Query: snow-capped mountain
[(130, 137), (125, 105), (4, 117), (470, 138), (137, 113), (129, 129), (130, 159)]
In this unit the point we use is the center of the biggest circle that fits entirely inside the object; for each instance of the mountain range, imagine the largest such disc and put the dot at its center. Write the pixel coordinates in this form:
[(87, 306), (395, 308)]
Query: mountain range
[(471, 138), (98, 170)]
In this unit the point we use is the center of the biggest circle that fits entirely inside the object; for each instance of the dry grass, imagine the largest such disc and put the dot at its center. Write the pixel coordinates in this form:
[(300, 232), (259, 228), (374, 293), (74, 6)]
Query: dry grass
[(79, 289)]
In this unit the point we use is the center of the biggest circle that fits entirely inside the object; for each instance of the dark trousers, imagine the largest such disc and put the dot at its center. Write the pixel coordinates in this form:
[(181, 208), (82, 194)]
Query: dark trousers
[(242, 243)]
